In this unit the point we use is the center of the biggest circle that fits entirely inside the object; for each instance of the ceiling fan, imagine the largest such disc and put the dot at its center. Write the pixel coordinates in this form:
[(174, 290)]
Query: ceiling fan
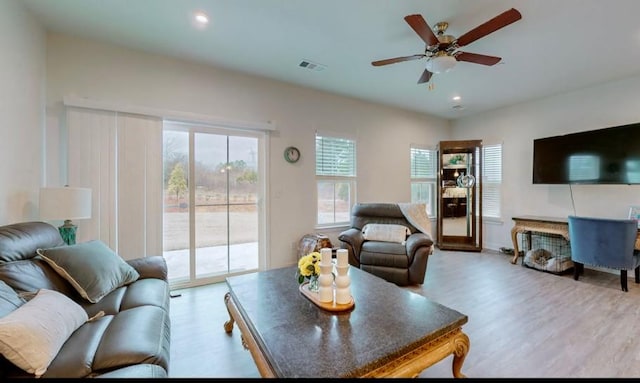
[(442, 51)]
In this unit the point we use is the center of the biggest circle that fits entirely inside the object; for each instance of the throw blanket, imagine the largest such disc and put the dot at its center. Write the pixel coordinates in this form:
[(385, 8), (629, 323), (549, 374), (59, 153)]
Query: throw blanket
[(416, 214)]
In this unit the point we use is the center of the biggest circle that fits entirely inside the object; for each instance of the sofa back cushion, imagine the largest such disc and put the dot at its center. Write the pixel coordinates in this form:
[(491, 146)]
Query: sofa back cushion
[(20, 241), (32, 275), (385, 213)]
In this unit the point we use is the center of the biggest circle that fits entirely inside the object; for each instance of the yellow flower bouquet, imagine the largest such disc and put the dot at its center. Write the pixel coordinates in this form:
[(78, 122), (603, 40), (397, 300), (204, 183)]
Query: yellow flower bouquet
[(308, 266), (309, 269)]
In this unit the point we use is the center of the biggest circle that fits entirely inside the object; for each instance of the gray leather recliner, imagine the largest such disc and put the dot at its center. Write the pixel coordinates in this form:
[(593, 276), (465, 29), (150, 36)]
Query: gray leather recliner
[(402, 264)]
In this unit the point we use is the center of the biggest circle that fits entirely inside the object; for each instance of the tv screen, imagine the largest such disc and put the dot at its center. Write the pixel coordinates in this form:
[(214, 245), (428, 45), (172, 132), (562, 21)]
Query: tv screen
[(604, 156)]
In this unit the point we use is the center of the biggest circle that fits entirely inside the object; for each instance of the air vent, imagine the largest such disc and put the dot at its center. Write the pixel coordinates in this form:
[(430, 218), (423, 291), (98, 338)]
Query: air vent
[(457, 107), (312, 66)]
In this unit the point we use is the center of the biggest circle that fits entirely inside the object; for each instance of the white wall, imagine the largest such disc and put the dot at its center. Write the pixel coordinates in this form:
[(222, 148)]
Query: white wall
[(108, 73), (22, 79), (602, 106), (112, 74)]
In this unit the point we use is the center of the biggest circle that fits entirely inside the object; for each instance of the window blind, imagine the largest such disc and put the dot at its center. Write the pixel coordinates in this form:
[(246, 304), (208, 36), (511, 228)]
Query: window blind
[(492, 180), (335, 157), (423, 177), (423, 163)]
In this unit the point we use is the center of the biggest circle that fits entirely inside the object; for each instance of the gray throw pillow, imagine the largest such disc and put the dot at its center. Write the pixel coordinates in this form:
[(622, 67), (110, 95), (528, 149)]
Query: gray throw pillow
[(9, 299), (91, 267)]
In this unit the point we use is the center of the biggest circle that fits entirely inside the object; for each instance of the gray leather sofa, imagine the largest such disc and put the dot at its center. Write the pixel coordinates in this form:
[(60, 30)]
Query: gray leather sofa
[(131, 340), (400, 263)]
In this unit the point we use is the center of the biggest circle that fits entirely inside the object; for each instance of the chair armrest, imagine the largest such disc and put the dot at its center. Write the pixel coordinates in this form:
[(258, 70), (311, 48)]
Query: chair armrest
[(353, 239), (416, 241), (150, 267)]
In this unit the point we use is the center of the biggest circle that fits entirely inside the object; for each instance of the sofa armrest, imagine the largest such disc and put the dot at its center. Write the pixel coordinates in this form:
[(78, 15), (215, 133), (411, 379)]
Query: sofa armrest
[(154, 266), (415, 242), (353, 239)]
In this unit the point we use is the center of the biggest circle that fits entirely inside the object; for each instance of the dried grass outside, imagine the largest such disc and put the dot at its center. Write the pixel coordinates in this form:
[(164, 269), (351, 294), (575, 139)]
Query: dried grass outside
[(211, 226)]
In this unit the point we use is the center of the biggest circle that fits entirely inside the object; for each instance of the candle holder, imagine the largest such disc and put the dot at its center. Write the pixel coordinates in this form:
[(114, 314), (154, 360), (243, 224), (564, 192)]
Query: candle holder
[(342, 257), (343, 285), (325, 281)]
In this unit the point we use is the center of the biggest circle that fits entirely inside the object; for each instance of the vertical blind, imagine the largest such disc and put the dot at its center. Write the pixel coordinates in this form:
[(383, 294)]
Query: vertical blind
[(335, 156), (119, 156), (492, 180)]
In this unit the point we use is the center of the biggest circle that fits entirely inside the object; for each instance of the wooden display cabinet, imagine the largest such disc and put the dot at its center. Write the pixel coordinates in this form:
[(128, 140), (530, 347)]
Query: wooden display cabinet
[(459, 205)]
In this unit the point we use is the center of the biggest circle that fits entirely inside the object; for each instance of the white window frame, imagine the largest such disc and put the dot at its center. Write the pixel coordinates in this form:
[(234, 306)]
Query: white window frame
[(327, 176), (428, 178), (492, 181)]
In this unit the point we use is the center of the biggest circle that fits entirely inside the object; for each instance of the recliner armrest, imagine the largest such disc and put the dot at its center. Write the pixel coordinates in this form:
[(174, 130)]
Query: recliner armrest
[(416, 241), (354, 239), (154, 266), (352, 236)]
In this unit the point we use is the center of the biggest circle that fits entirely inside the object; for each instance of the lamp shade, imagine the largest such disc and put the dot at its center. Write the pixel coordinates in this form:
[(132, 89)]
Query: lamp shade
[(66, 203), (440, 63)]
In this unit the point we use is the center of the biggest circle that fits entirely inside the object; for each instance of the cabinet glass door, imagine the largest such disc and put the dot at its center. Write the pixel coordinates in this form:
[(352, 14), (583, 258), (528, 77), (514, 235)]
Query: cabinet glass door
[(459, 196)]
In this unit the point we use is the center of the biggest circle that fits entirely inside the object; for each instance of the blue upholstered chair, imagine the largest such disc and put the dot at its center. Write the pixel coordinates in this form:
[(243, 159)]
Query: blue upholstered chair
[(603, 242)]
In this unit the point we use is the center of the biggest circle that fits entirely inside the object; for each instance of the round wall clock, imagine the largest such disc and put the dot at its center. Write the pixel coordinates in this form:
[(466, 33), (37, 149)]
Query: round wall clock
[(292, 154)]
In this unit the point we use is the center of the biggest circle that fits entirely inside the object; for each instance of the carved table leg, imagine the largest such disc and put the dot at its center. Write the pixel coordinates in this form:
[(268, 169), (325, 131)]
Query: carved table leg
[(228, 325), (460, 353), (514, 239)]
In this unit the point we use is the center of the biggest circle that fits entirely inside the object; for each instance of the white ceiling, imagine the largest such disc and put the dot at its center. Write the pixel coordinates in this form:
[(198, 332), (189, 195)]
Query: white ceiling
[(557, 46)]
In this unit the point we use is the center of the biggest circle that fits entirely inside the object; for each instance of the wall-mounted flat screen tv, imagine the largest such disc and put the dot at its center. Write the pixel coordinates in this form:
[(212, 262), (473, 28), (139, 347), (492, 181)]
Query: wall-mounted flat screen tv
[(603, 156)]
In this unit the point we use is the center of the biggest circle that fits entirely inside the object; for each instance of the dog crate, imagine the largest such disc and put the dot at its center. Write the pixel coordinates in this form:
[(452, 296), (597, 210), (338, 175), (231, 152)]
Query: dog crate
[(547, 252)]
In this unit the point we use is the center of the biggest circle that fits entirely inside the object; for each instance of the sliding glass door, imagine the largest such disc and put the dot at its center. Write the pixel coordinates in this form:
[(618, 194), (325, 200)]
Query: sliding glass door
[(212, 213)]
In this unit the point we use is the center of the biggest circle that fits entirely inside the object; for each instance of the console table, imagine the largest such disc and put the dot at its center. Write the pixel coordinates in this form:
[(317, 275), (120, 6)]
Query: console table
[(527, 224)]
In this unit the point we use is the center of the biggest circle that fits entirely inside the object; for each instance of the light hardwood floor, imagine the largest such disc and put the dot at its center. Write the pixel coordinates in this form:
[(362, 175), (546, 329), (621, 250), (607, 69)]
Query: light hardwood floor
[(523, 323)]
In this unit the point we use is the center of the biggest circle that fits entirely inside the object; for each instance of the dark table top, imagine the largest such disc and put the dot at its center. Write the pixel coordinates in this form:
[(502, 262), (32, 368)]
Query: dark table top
[(299, 339)]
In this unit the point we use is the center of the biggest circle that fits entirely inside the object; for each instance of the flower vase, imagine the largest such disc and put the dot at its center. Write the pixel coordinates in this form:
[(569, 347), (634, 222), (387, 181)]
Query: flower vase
[(314, 286)]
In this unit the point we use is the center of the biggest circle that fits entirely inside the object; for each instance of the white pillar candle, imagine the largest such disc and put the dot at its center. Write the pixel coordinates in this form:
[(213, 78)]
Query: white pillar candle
[(325, 256), (343, 296), (343, 257)]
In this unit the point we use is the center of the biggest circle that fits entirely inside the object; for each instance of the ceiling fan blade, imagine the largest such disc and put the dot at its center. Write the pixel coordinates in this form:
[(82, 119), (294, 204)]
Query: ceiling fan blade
[(500, 21), (396, 60), (417, 23), (426, 76), (477, 59)]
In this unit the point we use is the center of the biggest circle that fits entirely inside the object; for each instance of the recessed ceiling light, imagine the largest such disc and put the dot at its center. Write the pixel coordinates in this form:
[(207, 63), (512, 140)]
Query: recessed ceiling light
[(201, 18), (456, 98)]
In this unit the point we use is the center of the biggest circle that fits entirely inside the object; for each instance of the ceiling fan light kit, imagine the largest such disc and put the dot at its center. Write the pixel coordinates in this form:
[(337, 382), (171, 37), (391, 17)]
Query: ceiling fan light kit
[(442, 51), (441, 63)]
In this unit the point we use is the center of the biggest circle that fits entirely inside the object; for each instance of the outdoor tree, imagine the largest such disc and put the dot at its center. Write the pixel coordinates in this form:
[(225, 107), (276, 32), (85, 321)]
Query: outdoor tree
[(177, 181), (249, 176), (173, 152)]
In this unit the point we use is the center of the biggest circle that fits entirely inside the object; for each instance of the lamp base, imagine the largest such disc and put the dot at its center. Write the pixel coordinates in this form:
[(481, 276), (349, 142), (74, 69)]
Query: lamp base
[(68, 232)]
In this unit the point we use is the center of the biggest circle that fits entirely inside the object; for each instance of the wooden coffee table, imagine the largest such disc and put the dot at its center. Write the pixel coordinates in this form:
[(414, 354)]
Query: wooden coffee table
[(391, 331)]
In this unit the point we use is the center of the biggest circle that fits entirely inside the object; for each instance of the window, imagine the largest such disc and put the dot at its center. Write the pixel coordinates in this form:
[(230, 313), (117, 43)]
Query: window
[(492, 180), (212, 221), (423, 178), (335, 178)]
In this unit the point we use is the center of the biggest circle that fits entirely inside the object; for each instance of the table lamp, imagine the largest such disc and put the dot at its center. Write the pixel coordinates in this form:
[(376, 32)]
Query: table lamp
[(65, 203)]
